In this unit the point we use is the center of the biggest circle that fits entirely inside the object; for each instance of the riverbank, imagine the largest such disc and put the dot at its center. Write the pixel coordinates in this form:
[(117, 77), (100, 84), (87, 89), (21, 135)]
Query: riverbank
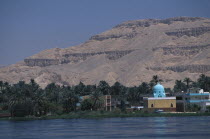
[(103, 114)]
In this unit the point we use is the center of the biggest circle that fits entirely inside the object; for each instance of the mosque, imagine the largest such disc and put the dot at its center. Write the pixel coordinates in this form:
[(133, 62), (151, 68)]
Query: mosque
[(159, 101)]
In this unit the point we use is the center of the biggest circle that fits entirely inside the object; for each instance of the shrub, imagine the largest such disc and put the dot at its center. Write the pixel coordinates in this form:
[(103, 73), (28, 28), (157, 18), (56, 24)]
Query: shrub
[(193, 108), (86, 105)]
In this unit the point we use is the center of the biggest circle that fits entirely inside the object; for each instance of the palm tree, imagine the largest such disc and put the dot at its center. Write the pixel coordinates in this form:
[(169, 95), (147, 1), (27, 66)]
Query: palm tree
[(79, 89), (133, 95), (39, 102), (151, 85), (34, 86), (89, 89), (194, 84), (1, 92), (122, 97), (116, 88), (69, 99), (188, 81), (18, 98), (144, 88), (179, 86), (156, 79), (4, 96), (95, 96), (1, 86), (104, 87), (204, 82), (53, 92)]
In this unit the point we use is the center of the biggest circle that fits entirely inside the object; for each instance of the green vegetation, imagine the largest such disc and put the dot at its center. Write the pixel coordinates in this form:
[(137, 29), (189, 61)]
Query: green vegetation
[(104, 114), (28, 99), (203, 82), (193, 107)]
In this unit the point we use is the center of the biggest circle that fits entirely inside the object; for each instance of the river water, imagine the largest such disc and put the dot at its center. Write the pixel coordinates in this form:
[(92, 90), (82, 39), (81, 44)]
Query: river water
[(110, 128)]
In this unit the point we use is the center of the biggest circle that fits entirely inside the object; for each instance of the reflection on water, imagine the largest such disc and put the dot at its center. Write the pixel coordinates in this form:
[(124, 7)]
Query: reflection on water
[(160, 125), (129, 128)]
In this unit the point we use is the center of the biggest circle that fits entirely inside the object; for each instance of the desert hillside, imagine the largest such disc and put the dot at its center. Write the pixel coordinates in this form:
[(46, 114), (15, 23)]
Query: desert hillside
[(131, 52)]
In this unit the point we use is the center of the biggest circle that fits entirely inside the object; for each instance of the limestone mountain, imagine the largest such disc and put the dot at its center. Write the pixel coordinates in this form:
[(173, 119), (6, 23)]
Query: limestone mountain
[(131, 52)]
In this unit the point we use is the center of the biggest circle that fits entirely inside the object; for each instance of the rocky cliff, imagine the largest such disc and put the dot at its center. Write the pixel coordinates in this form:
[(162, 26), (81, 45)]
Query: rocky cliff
[(189, 31), (41, 62), (131, 52), (182, 68), (183, 50)]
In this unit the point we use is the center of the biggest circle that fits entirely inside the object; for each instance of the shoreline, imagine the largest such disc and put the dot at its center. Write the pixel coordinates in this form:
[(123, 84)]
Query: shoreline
[(101, 115)]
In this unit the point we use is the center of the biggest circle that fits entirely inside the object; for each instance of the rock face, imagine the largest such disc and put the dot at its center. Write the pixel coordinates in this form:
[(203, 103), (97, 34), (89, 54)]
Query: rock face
[(190, 68), (183, 50), (149, 22), (41, 62), (131, 52), (77, 57), (189, 31), (105, 37)]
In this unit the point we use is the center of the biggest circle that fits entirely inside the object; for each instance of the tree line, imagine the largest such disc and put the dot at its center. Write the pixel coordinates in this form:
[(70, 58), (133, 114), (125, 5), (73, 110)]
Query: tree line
[(203, 82), (23, 98)]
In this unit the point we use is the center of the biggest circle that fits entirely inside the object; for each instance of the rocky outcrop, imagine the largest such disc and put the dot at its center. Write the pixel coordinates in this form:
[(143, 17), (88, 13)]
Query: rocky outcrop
[(190, 68), (182, 68), (105, 37), (114, 55), (183, 19), (145, 23), (111, 55), (41, 62), (149, 22), (188, 32), (183, 51), (75, 58)]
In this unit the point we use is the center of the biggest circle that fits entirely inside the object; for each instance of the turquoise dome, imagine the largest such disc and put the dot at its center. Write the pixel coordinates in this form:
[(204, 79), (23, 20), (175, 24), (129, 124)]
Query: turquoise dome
[(159, 91)]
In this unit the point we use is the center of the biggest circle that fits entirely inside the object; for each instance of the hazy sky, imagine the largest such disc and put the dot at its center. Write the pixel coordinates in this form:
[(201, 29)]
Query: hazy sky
[(30, 26)]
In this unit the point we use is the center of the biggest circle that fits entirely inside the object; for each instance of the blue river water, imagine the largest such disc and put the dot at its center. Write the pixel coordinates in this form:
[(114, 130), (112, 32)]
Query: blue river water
[(109, 128)]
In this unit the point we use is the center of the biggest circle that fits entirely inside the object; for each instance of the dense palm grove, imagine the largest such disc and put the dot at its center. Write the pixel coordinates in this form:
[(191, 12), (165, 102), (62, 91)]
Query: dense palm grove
[(23, 99)]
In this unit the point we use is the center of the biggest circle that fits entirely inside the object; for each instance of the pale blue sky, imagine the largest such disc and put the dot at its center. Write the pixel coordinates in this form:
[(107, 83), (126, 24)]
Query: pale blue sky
[(30, 26)]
